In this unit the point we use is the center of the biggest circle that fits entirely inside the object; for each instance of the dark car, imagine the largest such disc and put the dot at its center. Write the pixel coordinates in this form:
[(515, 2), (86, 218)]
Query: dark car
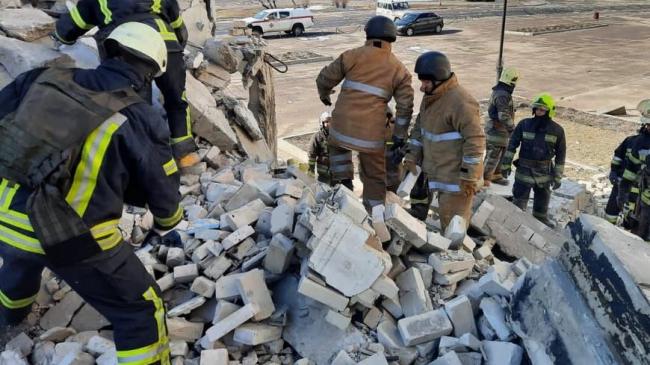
[(419, 22)]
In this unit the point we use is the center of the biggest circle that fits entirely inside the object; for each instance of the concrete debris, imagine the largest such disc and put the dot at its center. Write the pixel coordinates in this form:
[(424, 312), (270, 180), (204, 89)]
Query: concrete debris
[(26, 24), (18, 56)]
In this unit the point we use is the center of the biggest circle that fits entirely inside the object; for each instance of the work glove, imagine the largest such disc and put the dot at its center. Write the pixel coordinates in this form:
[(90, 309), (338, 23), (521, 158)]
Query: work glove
[(56, 42), (469, 188), (505, 172), (410, 165), (398, 143), (326, 99), (557, 184), (613, 177), (168, 238), (182, 35)]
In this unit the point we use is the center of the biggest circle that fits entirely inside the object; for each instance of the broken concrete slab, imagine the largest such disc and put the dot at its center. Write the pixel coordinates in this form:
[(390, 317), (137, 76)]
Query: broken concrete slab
[(89, 319), (26, 24), (61, 314), (502, 353), (198, 24), (496, 316), (223, 55), (17, 56)]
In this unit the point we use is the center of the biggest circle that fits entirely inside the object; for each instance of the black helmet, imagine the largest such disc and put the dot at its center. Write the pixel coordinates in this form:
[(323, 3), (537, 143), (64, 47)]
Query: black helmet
[(380, 27), (433, 66)]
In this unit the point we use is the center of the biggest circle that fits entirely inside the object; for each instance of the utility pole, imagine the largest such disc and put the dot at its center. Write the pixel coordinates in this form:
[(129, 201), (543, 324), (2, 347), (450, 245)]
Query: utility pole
[(503, 31)]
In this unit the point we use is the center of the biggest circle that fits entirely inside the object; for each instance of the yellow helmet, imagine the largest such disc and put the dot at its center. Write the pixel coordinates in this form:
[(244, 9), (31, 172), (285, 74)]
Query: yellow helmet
[(509, 76), (143, 41), (644, 109), (544, 101)]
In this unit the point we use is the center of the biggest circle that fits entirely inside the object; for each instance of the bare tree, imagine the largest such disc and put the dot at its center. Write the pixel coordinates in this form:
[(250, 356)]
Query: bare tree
[(268, 4)]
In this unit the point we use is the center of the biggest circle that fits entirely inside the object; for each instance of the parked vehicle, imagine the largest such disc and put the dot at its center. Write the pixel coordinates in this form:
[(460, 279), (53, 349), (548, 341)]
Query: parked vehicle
[(293, 21), (393, 9), (419, 22)]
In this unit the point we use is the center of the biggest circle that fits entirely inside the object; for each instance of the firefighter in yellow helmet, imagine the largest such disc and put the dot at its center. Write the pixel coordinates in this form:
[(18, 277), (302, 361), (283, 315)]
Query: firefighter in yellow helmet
[(105, 146), (540, 166), (499, 125)]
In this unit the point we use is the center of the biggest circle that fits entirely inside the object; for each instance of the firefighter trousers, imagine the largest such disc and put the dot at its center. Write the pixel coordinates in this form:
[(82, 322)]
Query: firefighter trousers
[(172, 87), (642, 228), (612, 210), (451, 204), (542, 198), (114, 282), (372, 171), (493, 159)]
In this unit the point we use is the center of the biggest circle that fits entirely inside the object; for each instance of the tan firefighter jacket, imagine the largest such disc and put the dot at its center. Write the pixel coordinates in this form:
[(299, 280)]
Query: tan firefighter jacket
[(371, 77)]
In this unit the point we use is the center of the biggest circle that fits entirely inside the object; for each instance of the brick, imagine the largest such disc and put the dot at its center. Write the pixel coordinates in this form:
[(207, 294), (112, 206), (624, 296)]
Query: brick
[(217, 267), (185, 273), (223, 310), (321, 294), (373, 317), (408, 183), (502, 353), (278, 256), (245, 215), (424, 327), (386, 287), (413, 293), (456, 231), (437, 242), (181, 329), (227, 287), (378, 223), (451, 261), (203, 286), (367, 298), (214, 357), (337, 319), (186, 307), (459, 311), (405, 225), (253, 290), (237, 237), (175, 257), (450, 358), (257, 333), (426, 271), (231, 322), (451, 278)]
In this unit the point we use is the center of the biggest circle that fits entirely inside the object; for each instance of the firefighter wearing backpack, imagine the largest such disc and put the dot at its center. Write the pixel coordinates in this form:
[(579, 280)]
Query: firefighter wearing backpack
[(540, 166), (66, 215), (163, 16)]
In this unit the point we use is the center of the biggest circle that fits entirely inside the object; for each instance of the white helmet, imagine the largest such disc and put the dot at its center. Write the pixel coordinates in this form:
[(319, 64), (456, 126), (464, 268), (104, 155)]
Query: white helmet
[(325, 116), (142, 41)]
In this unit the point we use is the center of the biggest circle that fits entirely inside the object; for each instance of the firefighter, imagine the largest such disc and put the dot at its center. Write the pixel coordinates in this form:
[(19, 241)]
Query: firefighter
[(447, 139), (499, 125), (164, 16), (65, 215), (612, 210), (373, 76), (629, 187), (642, 214), (318, 153), (393, 156), (541, 158)]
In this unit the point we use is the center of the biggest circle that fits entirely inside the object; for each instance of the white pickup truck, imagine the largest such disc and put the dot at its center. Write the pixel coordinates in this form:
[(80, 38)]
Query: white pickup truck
[(293, 21)]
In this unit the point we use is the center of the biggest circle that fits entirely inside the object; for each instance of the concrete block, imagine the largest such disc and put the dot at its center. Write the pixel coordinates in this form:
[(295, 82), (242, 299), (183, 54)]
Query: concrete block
[(451, 261), (373, 317), (521, 266), (470, 341), (99, 345), (203, 286), (502, 353), (397, 267), (450, 358), (459, 311), (456, 231), (282, 219), (337, 319), (342, 358), (214, 357), (470, 358), (57, 334), (437, 242), (405, 225), (183, 330), (450, 278), (42, 355), (253, 290), (175, 257), (389, 336), (450, 344), (483, 253), (481, 215), (231, 322), (424, 327), (263, 225), (17, 56), (11, 357), (349, 204), (344, 259), (289, 188), (393, 306), (278, 256), (386, 287), (88, 319), (496, 316), (380, 227), (408, 183), (178, 348), (21, 344), (245, 215), (413, 293), (217, 266), (223, 310), (186, 273), (227, 287), (254, 334), (246, 194), (186, 307), (237, 237), (376, 359), (426, 271), (245, 248), (26, 24), (321, 294), (61, 314), (468, 244), (494, 284), (397, 246)]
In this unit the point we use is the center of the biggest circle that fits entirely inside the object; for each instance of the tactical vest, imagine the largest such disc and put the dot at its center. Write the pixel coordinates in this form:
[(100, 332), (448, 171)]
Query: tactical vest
[(40, 141)]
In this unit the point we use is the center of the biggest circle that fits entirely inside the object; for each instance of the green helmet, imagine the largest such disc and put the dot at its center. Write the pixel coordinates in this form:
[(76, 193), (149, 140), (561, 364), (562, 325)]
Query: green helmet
[(509, 76), (544, 101), (644, 109)]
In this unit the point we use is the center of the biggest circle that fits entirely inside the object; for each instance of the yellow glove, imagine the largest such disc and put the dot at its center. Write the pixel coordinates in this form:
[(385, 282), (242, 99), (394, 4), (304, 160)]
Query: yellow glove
[(469, 188)]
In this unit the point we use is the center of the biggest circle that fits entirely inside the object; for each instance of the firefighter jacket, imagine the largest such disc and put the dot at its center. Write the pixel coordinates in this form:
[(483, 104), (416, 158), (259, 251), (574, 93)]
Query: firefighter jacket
[(635, 158), (162, 15), (644, 184), (501, 114), (618, 160), (125, 160), (542, 154), (447, 137), (373, 76), (318, 153)]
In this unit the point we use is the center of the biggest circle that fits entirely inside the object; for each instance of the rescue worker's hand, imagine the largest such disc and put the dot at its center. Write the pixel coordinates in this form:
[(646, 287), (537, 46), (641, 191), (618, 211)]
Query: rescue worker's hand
[(182, 35), (557, 184), (326, 99), (410, 164), (168, 238), (56, 43), (469, 188), (505, 172), (613, 177)]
